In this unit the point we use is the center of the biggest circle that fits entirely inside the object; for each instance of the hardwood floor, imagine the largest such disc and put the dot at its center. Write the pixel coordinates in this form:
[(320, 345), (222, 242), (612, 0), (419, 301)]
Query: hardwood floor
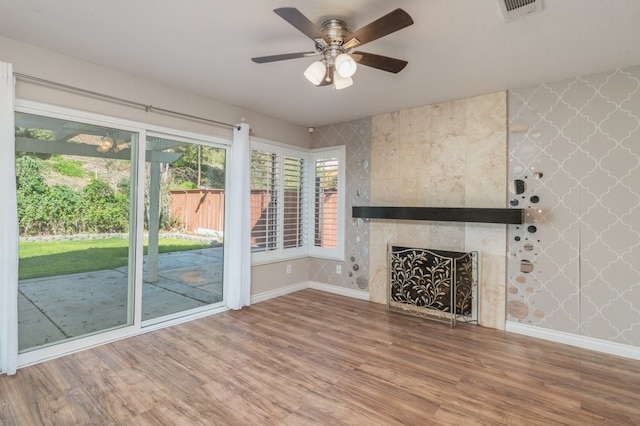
[(317, 358)]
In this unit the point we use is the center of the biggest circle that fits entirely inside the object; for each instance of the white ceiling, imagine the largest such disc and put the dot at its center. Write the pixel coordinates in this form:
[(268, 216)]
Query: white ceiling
[(455, 49)]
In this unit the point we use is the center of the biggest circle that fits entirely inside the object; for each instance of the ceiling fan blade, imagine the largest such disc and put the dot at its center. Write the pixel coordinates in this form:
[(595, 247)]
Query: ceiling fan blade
[(380, 62), (389, 23), (301, 22), (328, 77), (282, 57)]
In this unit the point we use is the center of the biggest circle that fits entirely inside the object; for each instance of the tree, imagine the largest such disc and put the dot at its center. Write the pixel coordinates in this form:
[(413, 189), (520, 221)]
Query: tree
[(199, 165)]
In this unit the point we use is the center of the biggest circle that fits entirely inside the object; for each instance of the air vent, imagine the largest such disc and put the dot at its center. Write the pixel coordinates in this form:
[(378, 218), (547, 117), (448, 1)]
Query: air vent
[(514, 9)]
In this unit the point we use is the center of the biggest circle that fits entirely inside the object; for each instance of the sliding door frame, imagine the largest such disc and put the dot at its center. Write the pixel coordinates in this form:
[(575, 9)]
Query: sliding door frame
[(152, 322), (136, 234)]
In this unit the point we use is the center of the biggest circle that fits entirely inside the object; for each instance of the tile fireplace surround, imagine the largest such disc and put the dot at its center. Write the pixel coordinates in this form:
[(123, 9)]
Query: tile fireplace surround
[(447, 155)]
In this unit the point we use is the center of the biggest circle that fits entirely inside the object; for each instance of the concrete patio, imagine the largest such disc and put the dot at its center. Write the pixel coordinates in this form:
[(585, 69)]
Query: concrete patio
[(56, 308)]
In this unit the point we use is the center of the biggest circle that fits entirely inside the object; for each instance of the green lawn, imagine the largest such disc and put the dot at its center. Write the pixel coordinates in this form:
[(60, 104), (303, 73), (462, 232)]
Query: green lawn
[(50, 258)]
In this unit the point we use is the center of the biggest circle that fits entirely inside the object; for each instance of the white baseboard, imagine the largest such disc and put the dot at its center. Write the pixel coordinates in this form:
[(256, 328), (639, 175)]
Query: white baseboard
[(585, 342), (356, 294), (261, 297)]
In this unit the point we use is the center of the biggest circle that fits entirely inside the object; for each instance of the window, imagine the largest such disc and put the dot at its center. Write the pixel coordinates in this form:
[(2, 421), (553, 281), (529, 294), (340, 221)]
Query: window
[(293, 199), (278, 201), (328, 203), (264, 200), (296, 202)]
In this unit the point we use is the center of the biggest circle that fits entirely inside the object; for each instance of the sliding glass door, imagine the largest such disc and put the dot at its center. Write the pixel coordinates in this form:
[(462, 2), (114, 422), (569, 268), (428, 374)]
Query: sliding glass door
[(115, 235), (184, 220), (76, 206)]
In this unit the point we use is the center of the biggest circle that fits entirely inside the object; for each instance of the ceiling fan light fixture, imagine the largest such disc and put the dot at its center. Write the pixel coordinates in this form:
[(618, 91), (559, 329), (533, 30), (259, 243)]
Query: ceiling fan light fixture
[(315, 72), (340, 82), (120, 145), (345, 65), (334, 41), (106, 141)]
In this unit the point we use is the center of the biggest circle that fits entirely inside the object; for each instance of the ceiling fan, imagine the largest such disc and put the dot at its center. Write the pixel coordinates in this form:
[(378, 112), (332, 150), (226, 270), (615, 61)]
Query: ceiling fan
[(336, 45)]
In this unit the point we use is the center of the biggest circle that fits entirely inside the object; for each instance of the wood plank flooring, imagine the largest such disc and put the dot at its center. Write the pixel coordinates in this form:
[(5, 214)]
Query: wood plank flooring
[(317, 358)]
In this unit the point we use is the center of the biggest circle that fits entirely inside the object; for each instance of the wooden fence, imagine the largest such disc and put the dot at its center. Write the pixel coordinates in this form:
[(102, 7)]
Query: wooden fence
[(198, 208), (204, 209)]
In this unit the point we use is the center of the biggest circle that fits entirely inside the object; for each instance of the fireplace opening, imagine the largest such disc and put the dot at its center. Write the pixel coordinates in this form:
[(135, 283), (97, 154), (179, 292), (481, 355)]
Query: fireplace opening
[(436, 284)]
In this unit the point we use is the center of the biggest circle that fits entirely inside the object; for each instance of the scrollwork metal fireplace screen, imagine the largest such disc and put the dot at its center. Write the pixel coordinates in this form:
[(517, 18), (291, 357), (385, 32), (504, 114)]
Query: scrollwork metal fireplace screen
[(433, 283)]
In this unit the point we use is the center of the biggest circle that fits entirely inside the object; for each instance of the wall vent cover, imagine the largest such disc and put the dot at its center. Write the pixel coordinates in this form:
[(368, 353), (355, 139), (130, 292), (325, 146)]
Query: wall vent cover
[(514, 9)]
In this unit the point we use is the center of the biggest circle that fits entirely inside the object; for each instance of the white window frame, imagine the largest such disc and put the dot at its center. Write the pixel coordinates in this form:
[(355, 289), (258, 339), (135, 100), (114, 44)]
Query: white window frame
[(280, 253), (299, 155), (335, 253), (307, 249)]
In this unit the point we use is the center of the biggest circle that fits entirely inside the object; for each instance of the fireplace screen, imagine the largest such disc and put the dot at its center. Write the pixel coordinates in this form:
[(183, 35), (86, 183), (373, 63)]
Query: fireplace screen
[(441, 284)]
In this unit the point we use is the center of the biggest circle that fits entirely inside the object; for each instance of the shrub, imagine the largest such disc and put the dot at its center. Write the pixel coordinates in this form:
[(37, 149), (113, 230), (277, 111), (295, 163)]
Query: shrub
[(103, 209), (32, 193), (29, 178), (58, 209), (185, 184), (64, 210), (67, 167)]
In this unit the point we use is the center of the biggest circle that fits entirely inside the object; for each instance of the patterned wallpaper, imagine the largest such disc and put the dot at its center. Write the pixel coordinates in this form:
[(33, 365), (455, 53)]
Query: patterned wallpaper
[(575, 145), (356, 136)]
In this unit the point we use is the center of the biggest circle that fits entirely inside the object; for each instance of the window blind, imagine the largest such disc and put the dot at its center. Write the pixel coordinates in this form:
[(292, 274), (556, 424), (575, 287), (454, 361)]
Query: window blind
[(264, 201), (326, 202), (294, 234)]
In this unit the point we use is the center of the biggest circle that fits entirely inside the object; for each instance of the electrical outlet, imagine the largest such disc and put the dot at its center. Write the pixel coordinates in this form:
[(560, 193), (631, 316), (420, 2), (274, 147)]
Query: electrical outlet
[(288, 269), (338, 269)]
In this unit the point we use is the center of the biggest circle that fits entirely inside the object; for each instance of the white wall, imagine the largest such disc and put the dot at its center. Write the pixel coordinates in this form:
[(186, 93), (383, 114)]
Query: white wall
[(49, 65)]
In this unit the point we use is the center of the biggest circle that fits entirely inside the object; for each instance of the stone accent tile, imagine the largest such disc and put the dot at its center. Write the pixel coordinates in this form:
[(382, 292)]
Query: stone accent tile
[(430, 156)]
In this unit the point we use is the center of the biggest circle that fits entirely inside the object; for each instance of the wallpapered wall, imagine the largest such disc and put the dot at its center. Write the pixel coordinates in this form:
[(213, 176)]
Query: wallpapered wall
[(356, 136), (583, 136)]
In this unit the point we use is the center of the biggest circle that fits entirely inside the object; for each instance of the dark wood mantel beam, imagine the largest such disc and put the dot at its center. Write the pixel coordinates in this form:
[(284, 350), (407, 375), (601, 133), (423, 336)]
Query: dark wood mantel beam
[(442, 214)]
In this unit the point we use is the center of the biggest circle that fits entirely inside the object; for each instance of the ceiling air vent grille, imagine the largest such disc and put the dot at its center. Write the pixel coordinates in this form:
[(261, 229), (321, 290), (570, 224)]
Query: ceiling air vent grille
[(514, 4), (513, 9)]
